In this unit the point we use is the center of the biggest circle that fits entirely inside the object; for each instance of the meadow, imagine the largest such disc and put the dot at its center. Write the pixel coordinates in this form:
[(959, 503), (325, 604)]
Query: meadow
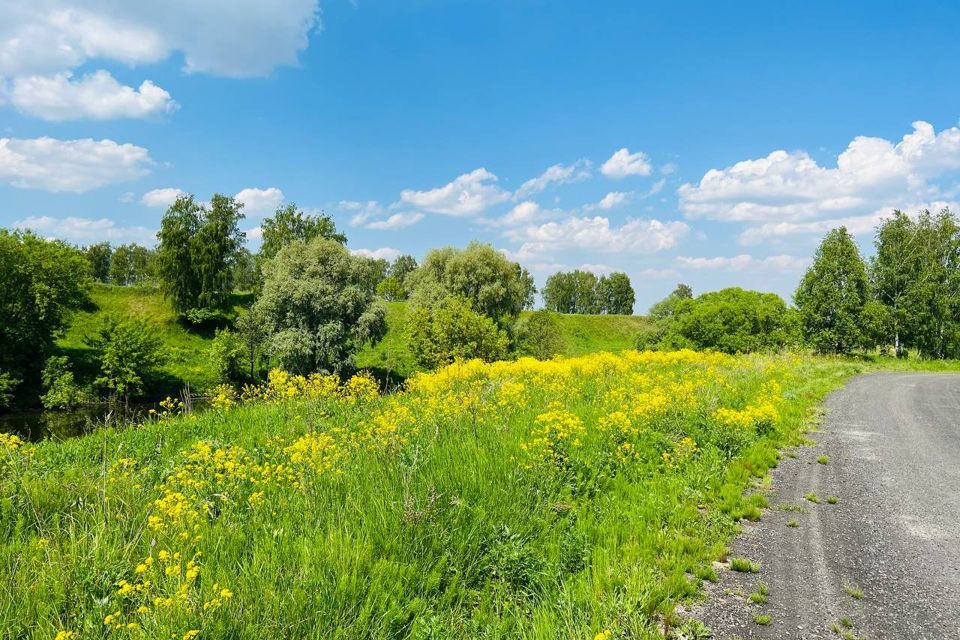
[(578, 497)]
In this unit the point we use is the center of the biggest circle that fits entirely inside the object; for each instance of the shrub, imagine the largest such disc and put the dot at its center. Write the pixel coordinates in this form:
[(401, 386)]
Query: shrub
[(129, 353), (228, 357), (538, 335), (62, 390), (449, 330)]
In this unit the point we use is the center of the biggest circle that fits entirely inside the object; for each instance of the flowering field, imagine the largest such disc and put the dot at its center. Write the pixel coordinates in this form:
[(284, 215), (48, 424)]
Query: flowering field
[(573, 498)]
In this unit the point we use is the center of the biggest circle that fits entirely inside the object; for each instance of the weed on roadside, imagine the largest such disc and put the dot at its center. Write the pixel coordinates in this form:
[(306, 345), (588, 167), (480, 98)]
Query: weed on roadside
[(853, 591), (743, 565), (762, 619), (823, 459), (833, 500), (792, 523), (760, 595), (812, 497)]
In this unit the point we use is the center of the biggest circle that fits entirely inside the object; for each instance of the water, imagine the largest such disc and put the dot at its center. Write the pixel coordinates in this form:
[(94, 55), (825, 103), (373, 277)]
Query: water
[(36, 425)]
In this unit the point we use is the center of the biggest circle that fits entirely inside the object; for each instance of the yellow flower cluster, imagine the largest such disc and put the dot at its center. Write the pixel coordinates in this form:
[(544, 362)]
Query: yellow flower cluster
[(554, 434), (761, 415), (282, 385), (682, 452)]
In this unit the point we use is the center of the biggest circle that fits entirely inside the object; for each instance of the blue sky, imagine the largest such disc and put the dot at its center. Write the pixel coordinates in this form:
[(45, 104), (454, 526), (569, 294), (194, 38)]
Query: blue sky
[(682, 142)]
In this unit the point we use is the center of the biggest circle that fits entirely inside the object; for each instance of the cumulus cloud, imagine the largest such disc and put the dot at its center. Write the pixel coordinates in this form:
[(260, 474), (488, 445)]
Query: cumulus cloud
[(597, 269), (161, 198), (259, 202), (745, 261), (871, 174), (557, 174), (623, 163), (396, 221), (69, 165), (96, 96), (42, 42), (86, 230), (467, 195), (384, 253), (613, 199), (596, 233), (360, 212)]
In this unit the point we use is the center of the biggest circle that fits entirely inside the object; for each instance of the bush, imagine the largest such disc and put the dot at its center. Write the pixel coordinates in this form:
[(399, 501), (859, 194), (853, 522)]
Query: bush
[(228, 357), (731, 320), (449, 330), (538, 335), (390, 288), (129, 353), (8, 384), (62, 390)]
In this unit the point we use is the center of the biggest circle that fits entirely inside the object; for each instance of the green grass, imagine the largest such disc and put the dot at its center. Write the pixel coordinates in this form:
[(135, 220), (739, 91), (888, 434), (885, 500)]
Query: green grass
[(763, 619), (823, 460), (812, 497), (853, 591), (760, 595), (187, 349), (465, 507), (743, 565)]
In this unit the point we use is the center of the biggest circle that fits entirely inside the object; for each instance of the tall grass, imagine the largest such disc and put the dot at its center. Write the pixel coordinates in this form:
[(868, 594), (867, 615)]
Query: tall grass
[(559, 499)]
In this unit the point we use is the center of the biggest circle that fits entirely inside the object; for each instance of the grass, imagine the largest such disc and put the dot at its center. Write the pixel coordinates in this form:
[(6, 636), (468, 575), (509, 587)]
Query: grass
[(537, 500), (187, 348), (833, 500), (763, 619), (743, 565), (812, 497), (760, 595), (853, 591), (792, 523), (823, 460)]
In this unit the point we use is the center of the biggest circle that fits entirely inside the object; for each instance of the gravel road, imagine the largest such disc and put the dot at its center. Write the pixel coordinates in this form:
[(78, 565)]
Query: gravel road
[(893, 447)]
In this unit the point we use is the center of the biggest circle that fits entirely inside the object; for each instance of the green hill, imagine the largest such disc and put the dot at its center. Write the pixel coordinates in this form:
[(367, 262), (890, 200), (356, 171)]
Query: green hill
[(189, 347)]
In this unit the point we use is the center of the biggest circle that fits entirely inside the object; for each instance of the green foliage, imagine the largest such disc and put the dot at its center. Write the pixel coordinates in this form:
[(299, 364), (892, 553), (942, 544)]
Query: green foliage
[(571, 292), (228, 357), (131, 264), (372, 273), (832, 295), (252, 331), (41, 282), (246, 271), (99, 256), (8, 385), (615, 294), (390, 288), (62, 390), (916, 275), (401, 267), (197, 251), (450, 329), (129, 352), (492, 284), (316, 307), (538, 335), (288, 224), (664, 308), (731, 320)]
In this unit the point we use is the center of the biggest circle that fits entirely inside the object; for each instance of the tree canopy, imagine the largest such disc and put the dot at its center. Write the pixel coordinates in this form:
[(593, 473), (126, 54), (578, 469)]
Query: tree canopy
[(289, 224), (583, 292)]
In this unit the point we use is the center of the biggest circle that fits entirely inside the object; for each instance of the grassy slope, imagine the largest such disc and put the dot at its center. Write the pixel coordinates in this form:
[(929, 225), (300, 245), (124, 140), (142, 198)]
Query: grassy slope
[(446, 534), (581, 334), (187, 349)]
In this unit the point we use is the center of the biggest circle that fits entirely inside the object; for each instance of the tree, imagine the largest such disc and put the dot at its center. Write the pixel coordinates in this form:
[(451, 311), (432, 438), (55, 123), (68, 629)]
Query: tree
[(288, 224), (197, 252), (538, 335), (228, 357), (391, 289), (215, 249), (41, 282), (246, 272), (178, 275), (615, 294), (832, 295), (62, 391), (129, 353), (732, 320), (481, 275), (374, 270), (316, 308), (99, 255), (253, 332), (664, 308), (402, 267), (572, 292), (449, 330)]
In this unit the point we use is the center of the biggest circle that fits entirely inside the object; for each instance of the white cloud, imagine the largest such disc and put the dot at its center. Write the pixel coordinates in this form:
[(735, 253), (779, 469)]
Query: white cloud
[(526, 212), (658, 274), (161, 198), (623, 163), (596, 233), (468, 195), (259, 202), (384, 253), (613, 199), (361, 211), (96, 96), (396, 221), (69, 165), (86, 230), (871, 174), (597, 269), (236, 39), (558, 173), (745, 261)]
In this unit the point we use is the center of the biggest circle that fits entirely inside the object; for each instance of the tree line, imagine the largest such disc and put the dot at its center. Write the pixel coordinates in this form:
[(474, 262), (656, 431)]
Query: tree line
[(583, 292)]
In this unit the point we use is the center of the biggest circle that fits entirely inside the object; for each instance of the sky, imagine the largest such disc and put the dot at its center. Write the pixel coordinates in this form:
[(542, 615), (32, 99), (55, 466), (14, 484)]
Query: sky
[(699, 142)]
